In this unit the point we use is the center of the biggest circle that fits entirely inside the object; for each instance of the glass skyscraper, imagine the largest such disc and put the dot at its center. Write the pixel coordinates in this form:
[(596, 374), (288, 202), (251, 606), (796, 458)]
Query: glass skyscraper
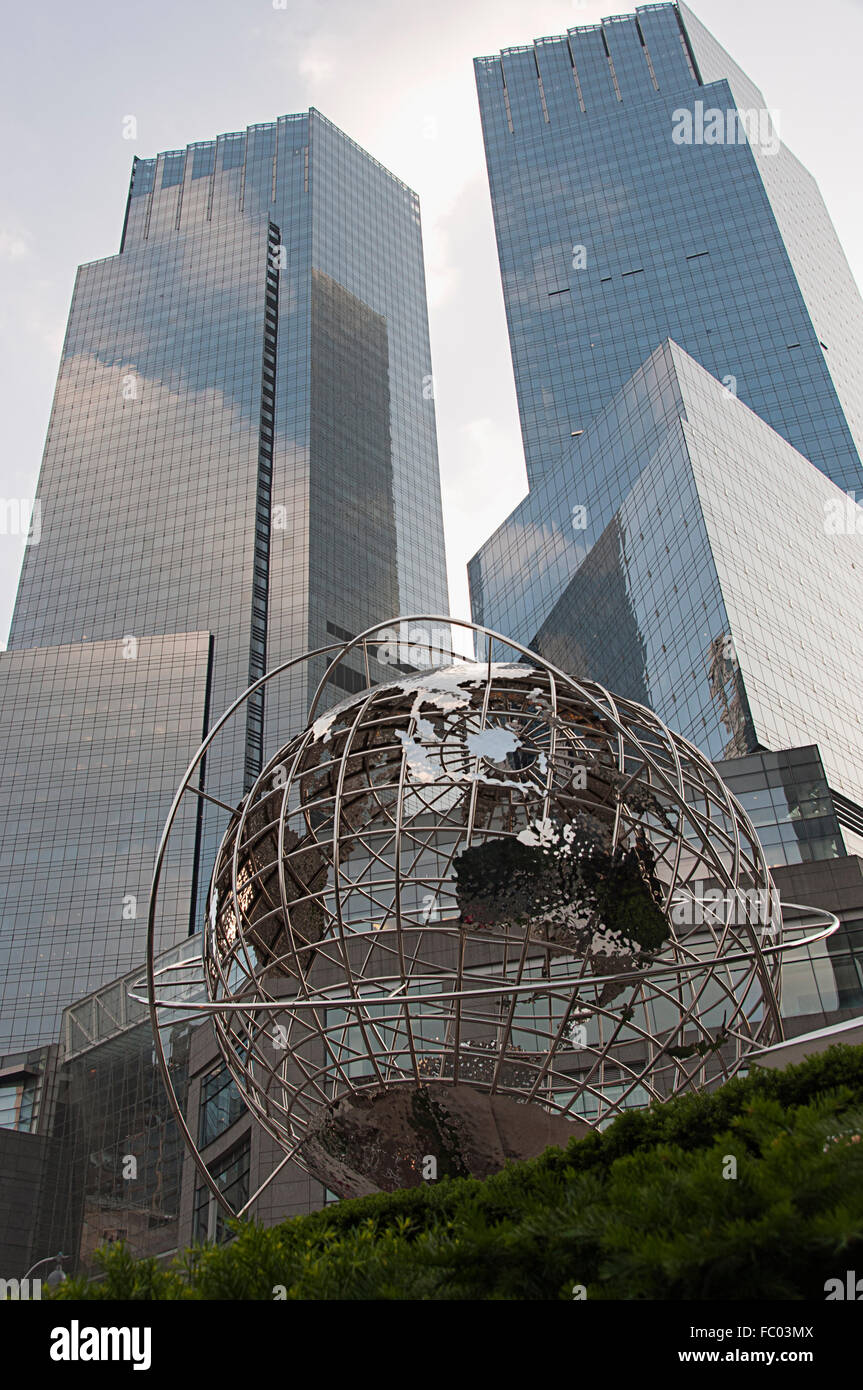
[(680, 554), (241, 464), (687, 341), (614, 233), (684, 329)]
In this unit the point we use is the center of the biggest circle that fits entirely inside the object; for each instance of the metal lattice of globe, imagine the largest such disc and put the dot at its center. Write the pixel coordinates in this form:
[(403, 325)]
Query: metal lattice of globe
[(490, 878)]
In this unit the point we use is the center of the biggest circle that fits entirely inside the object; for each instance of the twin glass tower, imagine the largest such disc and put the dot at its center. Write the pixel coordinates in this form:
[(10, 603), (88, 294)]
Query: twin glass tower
[(241, 465)]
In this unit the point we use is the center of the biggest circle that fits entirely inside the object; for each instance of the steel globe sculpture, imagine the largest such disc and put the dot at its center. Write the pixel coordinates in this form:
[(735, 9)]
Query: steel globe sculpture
[(477, 876), (471, 910)]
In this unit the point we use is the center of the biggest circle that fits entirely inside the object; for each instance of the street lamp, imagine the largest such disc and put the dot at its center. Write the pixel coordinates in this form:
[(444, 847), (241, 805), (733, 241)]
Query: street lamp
[(57, 1275)]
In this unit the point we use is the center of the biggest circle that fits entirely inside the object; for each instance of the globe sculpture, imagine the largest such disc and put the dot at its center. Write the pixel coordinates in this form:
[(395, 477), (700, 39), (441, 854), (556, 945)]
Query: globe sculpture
[(470, 911)]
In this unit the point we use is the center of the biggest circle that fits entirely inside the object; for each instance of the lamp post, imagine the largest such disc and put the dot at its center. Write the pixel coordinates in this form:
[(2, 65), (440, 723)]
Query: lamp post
[(57, 1275)]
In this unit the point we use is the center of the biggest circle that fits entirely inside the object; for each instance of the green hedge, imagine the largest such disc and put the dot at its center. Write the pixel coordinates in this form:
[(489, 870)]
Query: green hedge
[(640, 1211)]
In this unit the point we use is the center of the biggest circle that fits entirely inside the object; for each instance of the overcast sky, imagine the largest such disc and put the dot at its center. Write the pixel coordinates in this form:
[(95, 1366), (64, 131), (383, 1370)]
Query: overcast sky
[(397, 76)]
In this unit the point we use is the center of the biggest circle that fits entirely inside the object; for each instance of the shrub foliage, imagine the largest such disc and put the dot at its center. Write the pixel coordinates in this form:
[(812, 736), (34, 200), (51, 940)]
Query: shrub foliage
[(648, 1209)]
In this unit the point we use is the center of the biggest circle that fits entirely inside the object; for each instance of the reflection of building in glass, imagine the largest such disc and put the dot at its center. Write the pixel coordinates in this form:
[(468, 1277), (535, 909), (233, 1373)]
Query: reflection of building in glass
[(241, 465), (90, 742), (102, 1157), (122, 1152), (740, 623), (232, 1175), (787, 798), (800, 822), (613, 237)]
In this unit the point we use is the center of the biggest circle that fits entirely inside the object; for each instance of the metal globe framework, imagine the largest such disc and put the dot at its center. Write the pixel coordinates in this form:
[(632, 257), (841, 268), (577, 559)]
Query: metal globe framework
[(485, 874)]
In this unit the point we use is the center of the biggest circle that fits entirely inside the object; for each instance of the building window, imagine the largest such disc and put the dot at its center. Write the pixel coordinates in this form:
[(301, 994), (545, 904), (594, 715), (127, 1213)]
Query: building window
[(18, 1102), (204, 161), (231, 1175), (172, 169), (221, 1105)]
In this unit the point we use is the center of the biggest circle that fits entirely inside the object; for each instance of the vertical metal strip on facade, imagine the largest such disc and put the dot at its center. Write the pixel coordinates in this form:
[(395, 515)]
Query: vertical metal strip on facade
[(541, 88), (575, 74), (263, 514), (135, 162), (506, 102), (180, 191), (611, 65), (647, 55)]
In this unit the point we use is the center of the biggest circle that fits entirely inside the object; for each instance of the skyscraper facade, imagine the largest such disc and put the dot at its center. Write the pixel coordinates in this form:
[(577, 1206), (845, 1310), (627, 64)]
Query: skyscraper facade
[(241, 465), (650, 559), (687, 342), (627, 212), (92, 744), (241, 456), (671, 280)]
